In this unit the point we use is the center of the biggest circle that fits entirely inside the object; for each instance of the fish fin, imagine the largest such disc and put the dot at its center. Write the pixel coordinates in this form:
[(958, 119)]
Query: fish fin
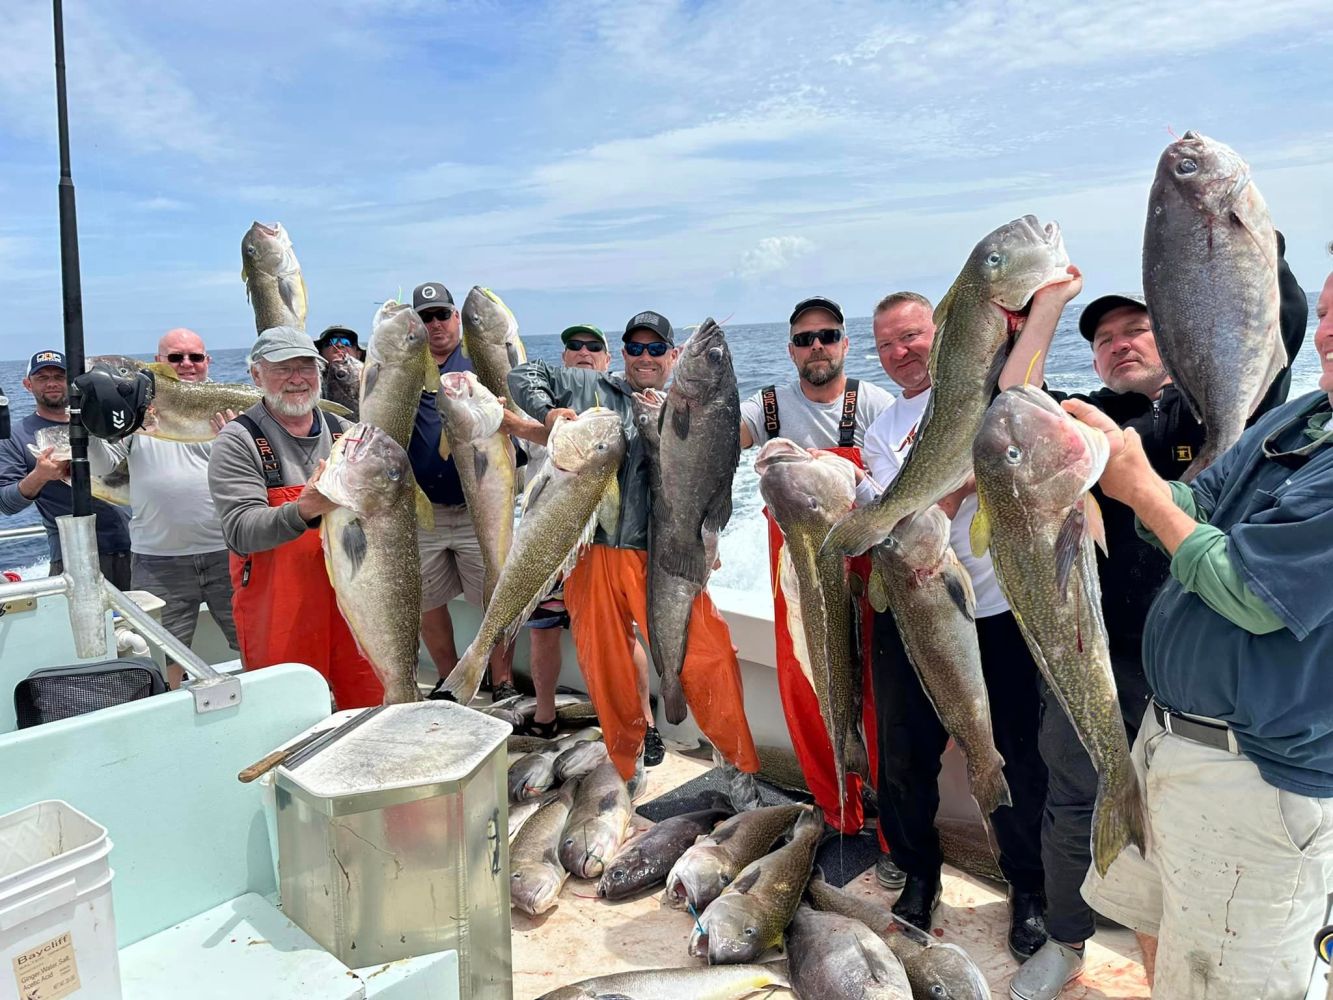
[(857, 530), (914, 934), (993, 373), (432, 382), (161, 370), (425, 510), (1276, 362), (1067, 545), (353, 541), (680, 420), (608, 508), (517, 355), (791, 593), (988, 784), (480, 463), (533, 491), (1092, 510), (292, 293), (878, 589), (444, 448), (719, 511), (746, 882), (958, 584), (979, 533), (466, 352), (369, 376), (465, 678), (1117, 817), (685, 561), (337, 409), (883, 972)]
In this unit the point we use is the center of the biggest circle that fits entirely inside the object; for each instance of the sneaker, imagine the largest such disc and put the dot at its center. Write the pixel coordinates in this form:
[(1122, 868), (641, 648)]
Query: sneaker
[(654, 750), (1045, 975), (502, 691), (888, 874)]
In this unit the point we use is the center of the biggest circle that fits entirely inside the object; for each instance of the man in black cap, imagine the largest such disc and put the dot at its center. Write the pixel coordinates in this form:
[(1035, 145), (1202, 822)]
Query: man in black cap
[(337, 340), (1138, 393)]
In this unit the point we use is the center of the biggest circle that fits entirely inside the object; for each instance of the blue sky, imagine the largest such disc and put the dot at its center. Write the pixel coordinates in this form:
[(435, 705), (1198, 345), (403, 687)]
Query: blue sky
[(588, 160)]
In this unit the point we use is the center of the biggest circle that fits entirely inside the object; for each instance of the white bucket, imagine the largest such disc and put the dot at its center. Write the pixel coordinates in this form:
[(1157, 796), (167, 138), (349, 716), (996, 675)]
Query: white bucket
[(57, 928)]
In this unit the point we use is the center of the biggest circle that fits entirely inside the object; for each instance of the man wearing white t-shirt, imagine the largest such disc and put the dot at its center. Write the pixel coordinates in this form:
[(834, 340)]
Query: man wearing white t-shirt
[(911, 738)]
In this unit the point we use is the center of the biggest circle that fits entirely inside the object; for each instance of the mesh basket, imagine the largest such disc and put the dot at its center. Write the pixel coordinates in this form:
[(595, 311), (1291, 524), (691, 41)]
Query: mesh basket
[(63, 692)]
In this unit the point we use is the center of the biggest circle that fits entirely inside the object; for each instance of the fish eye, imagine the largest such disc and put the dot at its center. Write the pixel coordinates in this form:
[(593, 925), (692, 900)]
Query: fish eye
[(1186, 166), (994, 258), (1013, 454), (715, 354), (725, 879), (751, 931), (936, 990), (516, 876)]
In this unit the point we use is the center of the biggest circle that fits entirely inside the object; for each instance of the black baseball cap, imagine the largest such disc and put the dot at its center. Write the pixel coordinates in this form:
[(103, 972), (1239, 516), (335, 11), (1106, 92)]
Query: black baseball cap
[(432, 293), (1094, 311), (336, 331), (816, 302), (653, 322), (46, 359)]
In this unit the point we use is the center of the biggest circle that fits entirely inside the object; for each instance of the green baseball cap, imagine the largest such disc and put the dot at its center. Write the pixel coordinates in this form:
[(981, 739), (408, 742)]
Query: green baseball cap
[(584, 328)]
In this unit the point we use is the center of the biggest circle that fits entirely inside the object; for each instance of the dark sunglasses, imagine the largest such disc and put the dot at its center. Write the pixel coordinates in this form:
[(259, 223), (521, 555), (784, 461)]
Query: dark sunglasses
[(339, 341), (591, 346), (807, 337), (655, 350), (431, 315), (176, 359)]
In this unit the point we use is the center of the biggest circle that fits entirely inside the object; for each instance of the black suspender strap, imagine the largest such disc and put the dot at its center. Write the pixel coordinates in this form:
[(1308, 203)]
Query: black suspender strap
[(768, 396), (268, 458), (847, 425)]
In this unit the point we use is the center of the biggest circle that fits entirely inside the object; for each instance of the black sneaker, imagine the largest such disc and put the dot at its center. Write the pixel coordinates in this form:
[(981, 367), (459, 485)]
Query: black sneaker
[(654, 750), (502, 691)]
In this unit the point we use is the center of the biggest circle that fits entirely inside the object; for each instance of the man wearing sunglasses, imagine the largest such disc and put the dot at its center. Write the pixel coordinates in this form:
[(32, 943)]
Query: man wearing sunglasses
[(176, 544), (823, 409), (336, 341), (607, 591), (451, 562)]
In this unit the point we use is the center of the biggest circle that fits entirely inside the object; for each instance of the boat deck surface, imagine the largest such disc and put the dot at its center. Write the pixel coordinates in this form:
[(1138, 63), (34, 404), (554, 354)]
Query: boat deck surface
[(586, 936)]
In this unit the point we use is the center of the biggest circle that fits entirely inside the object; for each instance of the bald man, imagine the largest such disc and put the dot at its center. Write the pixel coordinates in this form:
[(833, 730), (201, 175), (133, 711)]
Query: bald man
[(176, 545)]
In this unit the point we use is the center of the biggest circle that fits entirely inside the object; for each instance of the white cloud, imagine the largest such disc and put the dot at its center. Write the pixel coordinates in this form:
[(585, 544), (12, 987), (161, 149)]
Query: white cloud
[(773, 254)]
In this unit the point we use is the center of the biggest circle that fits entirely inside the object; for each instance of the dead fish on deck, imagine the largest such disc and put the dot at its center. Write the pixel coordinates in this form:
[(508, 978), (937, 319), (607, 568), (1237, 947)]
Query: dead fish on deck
[(341, 383), (272, 276), (578, 760), (829, 955), (597, 824), (647, 858), (723, 982), (520, 813), (536, 875), (779, 766), (533, 775), (714, 861), (968, 848)]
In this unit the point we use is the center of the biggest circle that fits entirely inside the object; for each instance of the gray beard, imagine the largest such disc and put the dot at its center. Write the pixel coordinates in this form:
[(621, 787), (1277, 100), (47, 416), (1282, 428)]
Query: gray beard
[(824, 377), (284, 407)]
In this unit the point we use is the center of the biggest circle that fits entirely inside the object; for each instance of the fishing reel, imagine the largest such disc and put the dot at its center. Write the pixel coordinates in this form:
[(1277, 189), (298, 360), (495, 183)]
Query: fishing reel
[(114, 401)]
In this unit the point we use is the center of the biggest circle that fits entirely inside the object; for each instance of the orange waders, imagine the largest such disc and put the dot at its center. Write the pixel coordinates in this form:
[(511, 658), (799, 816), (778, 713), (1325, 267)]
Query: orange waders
[(286, 611), (606, 594)]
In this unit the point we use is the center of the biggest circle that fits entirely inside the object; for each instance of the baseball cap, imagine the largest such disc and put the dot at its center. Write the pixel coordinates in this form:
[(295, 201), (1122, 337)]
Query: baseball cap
[(575, 330), (432, 293), (282, 343), (46, 359), (336, 331), (817, 302), (653, 322), (1094, 311)]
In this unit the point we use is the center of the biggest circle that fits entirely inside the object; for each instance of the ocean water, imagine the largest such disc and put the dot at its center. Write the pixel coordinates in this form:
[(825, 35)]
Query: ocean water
[(760, 359)]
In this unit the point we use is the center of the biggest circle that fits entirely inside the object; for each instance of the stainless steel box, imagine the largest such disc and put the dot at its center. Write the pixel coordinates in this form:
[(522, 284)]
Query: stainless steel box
[(392, 843)]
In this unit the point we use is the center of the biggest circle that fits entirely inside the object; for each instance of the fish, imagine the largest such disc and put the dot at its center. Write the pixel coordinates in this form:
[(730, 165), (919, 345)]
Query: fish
[(484, 457), (750, 915), (1034, 466), (576, 711), (341, 383), (968, 848), (935, 971), (646, 859), (829, 955), (398, 368), (597, 823), (1210, 280), (370, 551), (694, 450), (536, 875), (575, 490), (274, 285), (779, 766), (807, 495), (714, 861), (579, 760), (930, 594), (520, 813), (725, 982), (975, 328), (113, 488), (534, 773), (491, 341)]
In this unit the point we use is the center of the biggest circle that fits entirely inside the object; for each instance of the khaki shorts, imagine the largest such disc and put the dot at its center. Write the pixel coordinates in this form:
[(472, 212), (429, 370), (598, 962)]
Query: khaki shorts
[(451, 562), (1237, 878)]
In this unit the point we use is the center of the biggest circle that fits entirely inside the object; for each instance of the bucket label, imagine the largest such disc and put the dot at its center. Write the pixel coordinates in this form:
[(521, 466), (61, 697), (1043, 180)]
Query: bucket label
[(47, 972)]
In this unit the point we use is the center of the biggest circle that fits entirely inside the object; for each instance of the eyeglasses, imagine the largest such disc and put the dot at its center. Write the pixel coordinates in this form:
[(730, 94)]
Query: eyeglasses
[(286, 371), (339, 342), (176, 358), (592, 346), (807, 337), (437, 315), (655, 350)]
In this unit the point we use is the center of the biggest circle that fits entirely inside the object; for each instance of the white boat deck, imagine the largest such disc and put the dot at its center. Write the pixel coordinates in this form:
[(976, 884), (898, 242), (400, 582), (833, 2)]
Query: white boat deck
[(586, 936)]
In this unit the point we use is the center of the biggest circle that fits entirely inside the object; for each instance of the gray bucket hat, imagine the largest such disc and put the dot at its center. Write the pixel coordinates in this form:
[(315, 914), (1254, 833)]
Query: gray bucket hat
[(282, 343)]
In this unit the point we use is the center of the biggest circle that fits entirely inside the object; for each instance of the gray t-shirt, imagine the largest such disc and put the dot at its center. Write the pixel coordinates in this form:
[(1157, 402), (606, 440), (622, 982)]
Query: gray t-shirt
[(811, 424)]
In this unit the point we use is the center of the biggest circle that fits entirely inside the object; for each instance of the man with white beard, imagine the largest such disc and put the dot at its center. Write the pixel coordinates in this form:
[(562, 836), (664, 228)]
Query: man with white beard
[(262, 475)]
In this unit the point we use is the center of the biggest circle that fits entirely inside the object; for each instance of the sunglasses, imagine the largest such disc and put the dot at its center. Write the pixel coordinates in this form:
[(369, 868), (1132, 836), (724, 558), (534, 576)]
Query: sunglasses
[(433, 315), (807, 337), (339, 341), (177, 358), (655, 350), (591, 346)]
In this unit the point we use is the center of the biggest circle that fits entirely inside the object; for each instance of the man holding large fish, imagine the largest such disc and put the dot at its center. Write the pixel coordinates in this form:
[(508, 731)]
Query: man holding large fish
[(606, 592)]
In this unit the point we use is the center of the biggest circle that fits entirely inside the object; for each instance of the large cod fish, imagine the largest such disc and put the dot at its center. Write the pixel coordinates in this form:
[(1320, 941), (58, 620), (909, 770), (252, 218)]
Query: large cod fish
[(536, 875), (921, 580), (575, 489), (975, 327), (695, 451), (398, 367), (1034, 466), (1210, 281), (807, 494), (470, 415), (272, 276), (370, 551), (829, 955), (490, 339)]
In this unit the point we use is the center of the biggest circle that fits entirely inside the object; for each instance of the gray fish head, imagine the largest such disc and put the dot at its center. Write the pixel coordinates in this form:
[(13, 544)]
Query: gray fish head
[(396, 334), (531, 776), (367, 471), (344, 368), (265, 249), (468, 409), (485, 316), (704, 367), (119, 365), (585, 850), (730, 932), (697, 878), (624, 876), (1208, 174), (1030, 446), (801, 488), (534, 887), (1017, 260), (592, 443), (920, 540), (947, 972)]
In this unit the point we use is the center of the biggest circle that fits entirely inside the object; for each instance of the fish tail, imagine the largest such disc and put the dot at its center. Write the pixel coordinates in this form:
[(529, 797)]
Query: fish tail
[(465, 678), (1207, 455), (673, 697), (989, 786), (1118, 819), (857, 532)]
